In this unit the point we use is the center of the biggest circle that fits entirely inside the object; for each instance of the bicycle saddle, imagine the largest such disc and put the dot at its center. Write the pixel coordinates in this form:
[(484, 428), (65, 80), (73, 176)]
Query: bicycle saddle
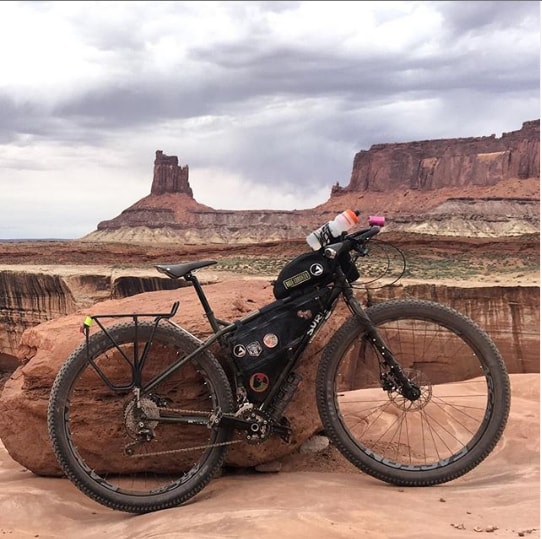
[(175, 271)]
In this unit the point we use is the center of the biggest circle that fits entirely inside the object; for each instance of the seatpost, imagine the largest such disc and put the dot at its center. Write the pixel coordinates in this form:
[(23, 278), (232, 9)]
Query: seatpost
[(203, 300)]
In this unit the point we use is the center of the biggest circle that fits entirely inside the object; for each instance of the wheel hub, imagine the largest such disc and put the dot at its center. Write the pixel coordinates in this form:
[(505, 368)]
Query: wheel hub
[(141, 420), (422, 396)]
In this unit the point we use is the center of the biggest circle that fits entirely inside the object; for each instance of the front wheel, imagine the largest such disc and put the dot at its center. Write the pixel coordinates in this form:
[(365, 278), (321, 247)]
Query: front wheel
[(126, 436), (441, 433)]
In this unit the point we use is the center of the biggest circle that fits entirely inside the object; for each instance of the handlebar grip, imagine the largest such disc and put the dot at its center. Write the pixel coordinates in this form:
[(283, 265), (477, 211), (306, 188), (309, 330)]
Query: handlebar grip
[(373, 231), (365, 234)]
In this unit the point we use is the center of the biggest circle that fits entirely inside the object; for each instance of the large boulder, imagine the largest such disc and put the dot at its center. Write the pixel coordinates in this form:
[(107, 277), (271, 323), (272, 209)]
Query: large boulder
[(43, 349)]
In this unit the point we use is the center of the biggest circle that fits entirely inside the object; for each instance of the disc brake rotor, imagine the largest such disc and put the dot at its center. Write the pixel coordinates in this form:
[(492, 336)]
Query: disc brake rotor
[(426, 389)]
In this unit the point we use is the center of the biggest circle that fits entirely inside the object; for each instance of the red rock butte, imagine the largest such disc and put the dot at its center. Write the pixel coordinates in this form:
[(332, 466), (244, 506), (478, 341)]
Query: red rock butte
[(475, 186), (169, 177)]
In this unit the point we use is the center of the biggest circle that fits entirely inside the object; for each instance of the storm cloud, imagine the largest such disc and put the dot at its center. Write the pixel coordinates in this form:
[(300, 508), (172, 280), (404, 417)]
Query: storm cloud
[(267, 102)]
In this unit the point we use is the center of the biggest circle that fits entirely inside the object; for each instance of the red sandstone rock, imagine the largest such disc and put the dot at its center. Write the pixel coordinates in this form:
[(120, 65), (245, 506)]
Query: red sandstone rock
[(43, 349), (168, 176), (435, 164), (404, 181)]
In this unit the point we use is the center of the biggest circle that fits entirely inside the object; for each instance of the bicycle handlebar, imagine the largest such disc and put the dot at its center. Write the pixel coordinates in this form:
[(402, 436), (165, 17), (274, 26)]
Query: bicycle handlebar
[(364, 235), (351, 241)]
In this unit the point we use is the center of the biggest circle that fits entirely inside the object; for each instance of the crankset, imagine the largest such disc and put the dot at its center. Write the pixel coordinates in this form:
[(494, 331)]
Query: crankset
[(259, 426)]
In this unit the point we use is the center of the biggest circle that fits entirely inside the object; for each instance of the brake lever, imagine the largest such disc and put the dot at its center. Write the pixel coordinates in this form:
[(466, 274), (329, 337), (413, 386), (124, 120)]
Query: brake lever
[(362, 250)]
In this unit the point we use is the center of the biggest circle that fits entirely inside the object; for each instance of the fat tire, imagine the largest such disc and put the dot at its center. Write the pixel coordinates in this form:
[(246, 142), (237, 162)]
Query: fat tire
[(491, 362), (82, 477)]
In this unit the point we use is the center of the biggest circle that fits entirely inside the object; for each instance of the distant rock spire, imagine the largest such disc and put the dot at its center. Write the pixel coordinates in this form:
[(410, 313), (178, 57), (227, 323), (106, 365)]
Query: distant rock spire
[(169, 177)]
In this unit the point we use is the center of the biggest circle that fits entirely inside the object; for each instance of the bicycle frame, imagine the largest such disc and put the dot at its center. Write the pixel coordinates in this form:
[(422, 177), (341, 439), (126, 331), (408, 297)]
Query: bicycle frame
[(138, 361), (221, 328)]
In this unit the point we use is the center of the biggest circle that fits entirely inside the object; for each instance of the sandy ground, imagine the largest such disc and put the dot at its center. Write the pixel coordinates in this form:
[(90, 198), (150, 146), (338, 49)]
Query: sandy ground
[(315, 498), (501, 497)]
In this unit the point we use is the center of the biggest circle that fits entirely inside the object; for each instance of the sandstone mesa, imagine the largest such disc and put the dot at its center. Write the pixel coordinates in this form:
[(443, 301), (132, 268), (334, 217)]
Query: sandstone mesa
[(477, 186)]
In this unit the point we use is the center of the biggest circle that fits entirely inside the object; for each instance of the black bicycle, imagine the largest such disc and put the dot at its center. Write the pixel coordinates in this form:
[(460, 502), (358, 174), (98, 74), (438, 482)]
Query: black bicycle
[(410, 391)]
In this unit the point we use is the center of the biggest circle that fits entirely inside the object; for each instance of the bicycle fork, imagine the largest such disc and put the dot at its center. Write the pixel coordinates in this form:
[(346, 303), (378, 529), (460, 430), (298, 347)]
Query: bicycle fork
[(392, 376)]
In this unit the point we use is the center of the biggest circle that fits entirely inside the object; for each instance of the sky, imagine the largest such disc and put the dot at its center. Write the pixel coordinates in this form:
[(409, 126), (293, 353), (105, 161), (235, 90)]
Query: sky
[(266, 102)]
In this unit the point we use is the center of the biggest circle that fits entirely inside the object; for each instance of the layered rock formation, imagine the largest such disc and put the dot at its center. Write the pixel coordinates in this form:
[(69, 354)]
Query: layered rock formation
[(510, 314), (435, 164), (28, 298), (472, 187), (411, 183), (169, 177)]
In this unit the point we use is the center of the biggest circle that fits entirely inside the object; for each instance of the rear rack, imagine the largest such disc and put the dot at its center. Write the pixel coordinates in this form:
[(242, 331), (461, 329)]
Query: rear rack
[(137, 362)]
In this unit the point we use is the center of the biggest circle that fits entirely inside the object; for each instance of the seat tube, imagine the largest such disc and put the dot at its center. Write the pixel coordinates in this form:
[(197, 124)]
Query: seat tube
[(203, 300)]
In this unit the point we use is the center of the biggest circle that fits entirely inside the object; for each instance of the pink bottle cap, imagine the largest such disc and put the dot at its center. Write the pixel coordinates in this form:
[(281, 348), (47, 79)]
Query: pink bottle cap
[(377, 220)]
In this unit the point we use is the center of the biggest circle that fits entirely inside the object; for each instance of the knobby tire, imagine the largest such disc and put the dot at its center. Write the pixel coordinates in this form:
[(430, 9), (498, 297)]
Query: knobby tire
[(450, 429), (94, 458)]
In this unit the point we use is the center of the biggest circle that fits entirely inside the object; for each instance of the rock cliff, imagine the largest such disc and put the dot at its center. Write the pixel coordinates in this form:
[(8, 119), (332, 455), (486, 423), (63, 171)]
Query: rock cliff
[(477, 186), (510, 314), (169, 177), (436, 164), (28, 298)]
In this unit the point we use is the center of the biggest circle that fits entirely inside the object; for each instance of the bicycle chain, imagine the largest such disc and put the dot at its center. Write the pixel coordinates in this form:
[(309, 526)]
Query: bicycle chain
[(183, 450)]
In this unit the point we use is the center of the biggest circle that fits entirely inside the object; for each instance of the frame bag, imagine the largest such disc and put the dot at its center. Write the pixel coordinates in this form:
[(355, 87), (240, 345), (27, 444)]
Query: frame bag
[(263, 342)]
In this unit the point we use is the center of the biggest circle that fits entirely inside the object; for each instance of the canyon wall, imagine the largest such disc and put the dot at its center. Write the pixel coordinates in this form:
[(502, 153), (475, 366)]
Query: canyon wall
[(510, 314), (28, 298)]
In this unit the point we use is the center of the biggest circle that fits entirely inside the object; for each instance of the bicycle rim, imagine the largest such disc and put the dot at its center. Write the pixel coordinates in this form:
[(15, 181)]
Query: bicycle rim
[(126, 455), (459, 416)]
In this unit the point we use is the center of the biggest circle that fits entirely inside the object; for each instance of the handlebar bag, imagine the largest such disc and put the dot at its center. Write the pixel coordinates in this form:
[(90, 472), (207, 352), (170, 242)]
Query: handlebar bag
[(309, 270)]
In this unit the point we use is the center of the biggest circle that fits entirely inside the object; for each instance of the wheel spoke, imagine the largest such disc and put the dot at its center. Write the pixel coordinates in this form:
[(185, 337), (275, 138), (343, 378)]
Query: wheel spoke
[(458, 371), (132, 450)]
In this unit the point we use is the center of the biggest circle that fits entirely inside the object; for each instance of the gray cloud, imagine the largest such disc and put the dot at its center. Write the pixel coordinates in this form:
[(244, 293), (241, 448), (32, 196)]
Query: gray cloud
[(250, 68), (260, 100), (466, 17)]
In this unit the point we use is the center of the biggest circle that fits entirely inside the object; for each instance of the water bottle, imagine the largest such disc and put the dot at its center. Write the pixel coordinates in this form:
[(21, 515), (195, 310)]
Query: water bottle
[(332, 229)]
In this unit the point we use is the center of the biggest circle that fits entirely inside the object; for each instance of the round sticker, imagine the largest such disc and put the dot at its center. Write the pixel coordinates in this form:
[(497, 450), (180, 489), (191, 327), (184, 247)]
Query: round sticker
[(239, 350), (259, 382), (254, 348), (316, 270), (270, 340)]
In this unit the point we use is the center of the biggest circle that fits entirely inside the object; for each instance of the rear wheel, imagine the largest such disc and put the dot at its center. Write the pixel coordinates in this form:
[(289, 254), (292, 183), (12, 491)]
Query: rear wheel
[(139, 454), (441, 434)]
